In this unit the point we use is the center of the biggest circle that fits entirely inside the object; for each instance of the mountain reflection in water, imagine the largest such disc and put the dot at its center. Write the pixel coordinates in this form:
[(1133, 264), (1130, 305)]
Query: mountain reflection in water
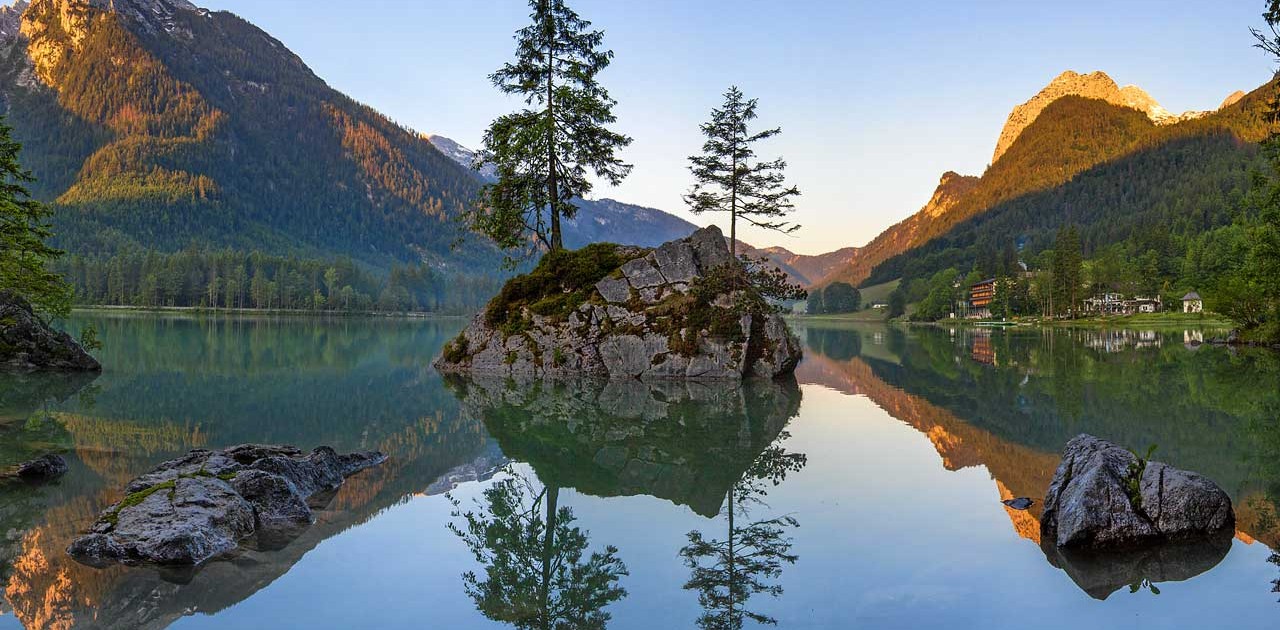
[(1009, 401), (723, 504)]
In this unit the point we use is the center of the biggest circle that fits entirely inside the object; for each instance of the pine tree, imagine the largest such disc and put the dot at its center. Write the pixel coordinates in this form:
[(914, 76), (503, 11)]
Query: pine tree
[(728, 179), (24, 230), (543, 153), (1066, 270)]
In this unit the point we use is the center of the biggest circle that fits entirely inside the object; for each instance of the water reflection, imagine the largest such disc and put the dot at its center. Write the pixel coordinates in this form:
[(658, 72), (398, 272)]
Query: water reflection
[(536, 574), (714, 447), (178, 383), (727, 572), (1009, 400)]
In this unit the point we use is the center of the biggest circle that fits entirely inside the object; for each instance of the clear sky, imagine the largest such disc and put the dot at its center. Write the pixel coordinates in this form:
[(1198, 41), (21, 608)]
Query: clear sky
[(876, 99)]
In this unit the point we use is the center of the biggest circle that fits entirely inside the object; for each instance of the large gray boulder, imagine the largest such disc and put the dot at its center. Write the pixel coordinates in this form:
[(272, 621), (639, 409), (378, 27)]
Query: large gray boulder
[(27, 344), (1088, 505), (639, 322), (207, 503)]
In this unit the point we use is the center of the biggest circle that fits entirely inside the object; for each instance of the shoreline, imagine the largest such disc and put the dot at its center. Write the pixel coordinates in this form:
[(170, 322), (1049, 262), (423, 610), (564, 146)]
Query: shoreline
[(204, 310)]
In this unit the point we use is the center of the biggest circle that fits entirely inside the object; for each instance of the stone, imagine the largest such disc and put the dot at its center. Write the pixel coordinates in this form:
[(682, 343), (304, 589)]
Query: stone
[(1101, 573), (207, 503), (1087, 506), (27, 344), (615, 290), (626, 328), (44, 468), (641, 274), (1020, 503)]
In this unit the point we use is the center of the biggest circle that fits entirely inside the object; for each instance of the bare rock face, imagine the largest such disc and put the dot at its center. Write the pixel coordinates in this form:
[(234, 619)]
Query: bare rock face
[(203, 505), (1088, 505), (636, 323), (27, 344)]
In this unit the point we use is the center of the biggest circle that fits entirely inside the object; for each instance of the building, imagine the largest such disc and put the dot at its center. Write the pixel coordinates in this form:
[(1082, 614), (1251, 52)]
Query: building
[(981, 295), (1116, 304), (1191, 303)]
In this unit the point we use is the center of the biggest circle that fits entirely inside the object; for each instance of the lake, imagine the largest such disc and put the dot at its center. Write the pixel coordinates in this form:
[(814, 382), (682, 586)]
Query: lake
[(867, 493)]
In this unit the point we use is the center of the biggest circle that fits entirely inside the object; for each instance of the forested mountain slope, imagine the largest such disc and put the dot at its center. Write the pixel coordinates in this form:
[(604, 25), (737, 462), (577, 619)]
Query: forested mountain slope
[(1072, 136), (1114, 175)]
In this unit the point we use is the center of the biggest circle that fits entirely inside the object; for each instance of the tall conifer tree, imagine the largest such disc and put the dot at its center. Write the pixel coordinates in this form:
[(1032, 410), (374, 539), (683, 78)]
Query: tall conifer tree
[(543, 153), (24, 228), (728, 177)]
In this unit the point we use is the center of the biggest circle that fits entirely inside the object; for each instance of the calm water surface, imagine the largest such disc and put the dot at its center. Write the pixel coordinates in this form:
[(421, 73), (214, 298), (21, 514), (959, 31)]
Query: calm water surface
[(864, 494)]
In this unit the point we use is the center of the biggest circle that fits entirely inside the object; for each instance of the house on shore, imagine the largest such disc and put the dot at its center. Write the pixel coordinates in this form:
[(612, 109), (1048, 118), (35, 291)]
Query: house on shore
[(981, 295), (1192, 303)]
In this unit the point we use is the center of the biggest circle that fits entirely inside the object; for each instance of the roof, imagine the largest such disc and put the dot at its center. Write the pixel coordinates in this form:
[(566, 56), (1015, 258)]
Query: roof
[(987, 281), (1191, 296)]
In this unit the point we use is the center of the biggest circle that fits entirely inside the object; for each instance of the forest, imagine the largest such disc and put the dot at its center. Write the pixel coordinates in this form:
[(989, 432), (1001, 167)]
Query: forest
[(230, 278)]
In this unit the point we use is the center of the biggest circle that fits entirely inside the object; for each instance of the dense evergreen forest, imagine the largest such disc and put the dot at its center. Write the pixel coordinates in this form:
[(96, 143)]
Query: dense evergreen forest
[(234, 279)]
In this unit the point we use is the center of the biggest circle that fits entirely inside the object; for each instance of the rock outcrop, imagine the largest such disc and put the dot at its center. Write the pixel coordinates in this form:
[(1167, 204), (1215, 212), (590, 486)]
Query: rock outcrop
[(645, 319), (27, 344), (205, 504), (1093, 504)]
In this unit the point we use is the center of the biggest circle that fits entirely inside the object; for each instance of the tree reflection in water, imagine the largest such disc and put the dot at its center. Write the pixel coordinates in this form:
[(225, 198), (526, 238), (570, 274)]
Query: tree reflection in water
[(727, 572), (535, 575)]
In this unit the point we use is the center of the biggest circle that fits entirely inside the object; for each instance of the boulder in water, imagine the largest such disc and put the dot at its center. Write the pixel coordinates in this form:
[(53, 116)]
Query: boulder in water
[(204, 504), (1101, 499)]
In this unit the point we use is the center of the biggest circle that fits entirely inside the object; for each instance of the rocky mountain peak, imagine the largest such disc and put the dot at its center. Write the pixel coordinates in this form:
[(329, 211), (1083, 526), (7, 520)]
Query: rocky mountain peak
[(1096, 85), (1232, 99)]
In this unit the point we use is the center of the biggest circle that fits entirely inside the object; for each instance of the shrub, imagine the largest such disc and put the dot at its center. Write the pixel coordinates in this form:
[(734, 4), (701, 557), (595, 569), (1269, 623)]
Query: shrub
[(562, 281)]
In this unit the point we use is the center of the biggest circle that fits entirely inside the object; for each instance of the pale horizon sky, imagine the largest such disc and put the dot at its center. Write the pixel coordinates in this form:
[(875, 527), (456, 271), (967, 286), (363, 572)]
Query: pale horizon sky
[(876, 100)]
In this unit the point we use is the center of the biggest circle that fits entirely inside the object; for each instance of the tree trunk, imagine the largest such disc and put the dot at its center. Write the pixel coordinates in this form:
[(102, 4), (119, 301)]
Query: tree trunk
[(548, 549), (553, 187), (732, 561)]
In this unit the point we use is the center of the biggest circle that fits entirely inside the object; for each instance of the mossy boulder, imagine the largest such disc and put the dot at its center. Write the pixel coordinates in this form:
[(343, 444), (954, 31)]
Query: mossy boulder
[(28, 344), (679, 311)]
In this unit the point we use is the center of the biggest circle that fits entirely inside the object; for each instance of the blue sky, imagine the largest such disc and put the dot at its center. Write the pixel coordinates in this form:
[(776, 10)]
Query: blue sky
[(876, 99)]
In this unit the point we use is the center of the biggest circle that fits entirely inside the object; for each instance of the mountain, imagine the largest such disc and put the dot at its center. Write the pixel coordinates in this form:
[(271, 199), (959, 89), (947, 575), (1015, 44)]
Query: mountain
[(157, 125), (802, 268), (597, 220), (1095, 85), (1076, 123), (1108, 169), (951, 189)]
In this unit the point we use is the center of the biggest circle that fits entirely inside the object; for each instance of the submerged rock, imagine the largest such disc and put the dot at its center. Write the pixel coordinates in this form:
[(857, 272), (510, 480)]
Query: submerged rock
[(1089, 507), (44, 468), (27, 344), (1101, 573), (643, 319), (204, 504)]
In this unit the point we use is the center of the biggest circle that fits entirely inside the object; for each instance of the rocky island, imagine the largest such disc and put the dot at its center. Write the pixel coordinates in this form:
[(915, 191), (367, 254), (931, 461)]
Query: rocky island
[(680, 311), (28, 344), (207, 503)]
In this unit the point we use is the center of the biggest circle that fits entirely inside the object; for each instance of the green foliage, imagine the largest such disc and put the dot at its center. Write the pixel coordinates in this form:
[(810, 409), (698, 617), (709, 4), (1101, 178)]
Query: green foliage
[(940, 295), (237, 279), (897, 302), (89, 338), (542, 154), (1133, 476), (562, 281), (24, 231), (727, 177)]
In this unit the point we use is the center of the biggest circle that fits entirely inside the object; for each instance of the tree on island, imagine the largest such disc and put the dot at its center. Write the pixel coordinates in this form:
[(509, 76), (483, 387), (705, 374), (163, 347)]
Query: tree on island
[(543, 153), (24, 228), (535, 573), (729, 179)]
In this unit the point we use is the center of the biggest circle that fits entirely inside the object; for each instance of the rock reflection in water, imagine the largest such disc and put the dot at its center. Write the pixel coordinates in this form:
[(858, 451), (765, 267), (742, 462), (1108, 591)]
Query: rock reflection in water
[(714, 447), (1102, 573), (684, 442)]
